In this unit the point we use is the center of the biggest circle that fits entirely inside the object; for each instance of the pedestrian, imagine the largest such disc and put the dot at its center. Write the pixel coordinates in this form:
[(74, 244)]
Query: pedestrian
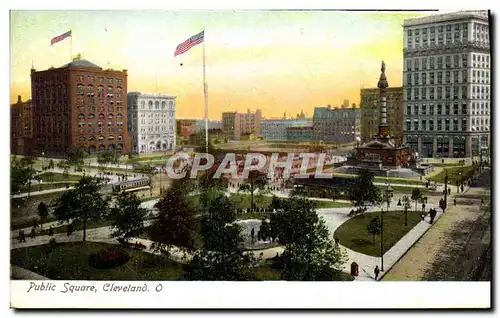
[(51, 230), (376, 271), (449, 191), (19, 236), (482, 202), (455, 201), (33, 233), (23, 236)]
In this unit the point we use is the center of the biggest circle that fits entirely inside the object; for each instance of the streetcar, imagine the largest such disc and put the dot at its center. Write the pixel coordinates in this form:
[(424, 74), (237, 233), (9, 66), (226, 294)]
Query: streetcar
[(132, 185)]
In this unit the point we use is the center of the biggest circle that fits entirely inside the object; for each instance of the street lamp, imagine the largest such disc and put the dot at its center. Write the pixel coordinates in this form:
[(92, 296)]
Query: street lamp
[(387, 197), (43, 154)]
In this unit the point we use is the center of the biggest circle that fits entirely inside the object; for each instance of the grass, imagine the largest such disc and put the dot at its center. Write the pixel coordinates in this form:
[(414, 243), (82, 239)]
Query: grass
[(46, 186), (400, 188), (354, 235), (70, 261), (385, 179), (57, 177), (453, 174), (77, 226), (150, 159), (242, 201)]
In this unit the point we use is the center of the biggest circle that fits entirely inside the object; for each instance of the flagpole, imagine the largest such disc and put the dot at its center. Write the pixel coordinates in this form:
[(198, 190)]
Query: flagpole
[(205, 93), (71, 46)]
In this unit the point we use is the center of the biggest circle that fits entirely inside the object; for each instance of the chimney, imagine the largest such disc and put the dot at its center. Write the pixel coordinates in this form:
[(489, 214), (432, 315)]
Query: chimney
[(19, 99)]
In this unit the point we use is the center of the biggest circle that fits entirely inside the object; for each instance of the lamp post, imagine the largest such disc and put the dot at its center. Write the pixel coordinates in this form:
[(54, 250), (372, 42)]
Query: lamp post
[(387, 198), (43, 154)]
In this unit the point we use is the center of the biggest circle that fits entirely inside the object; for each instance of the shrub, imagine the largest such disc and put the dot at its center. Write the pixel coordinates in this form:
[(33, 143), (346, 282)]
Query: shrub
[(109, 258), (51, 245)]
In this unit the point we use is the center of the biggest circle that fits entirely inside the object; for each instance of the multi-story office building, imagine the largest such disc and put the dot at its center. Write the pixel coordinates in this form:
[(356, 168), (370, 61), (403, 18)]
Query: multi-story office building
[(370, 113), (79, 105), (21, 127), (151, 122), (447, 71), (336, 125), (234, 124), (300, 133), (275, 129)]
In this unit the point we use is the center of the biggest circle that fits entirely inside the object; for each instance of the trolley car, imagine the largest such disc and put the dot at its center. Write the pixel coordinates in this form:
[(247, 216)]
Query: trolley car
[(132, 185)]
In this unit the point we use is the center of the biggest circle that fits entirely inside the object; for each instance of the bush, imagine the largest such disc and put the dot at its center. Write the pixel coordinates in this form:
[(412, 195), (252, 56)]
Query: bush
[(109, 258)]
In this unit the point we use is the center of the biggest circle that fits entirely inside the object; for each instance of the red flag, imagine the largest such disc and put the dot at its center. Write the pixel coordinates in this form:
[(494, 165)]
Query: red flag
[(60, 37), (189, 43)]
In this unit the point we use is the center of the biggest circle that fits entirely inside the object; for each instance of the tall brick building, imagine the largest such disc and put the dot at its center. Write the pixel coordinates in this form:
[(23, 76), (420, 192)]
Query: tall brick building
[(79, 105), (21, 127), (370, 113), (235, 124)]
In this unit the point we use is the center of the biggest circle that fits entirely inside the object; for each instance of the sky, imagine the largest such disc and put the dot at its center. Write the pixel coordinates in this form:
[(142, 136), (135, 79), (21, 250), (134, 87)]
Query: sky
[(277, 61)]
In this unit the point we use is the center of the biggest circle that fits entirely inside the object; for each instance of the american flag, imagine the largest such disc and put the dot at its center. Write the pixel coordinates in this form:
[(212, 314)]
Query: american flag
[(60, 37), (189, 43)]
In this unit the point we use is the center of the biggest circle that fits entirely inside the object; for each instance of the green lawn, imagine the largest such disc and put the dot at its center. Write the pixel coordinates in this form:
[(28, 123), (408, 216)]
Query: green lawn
[(354, 235), (70, 261), (57, 177), (46, 186), (242, 201), (385, 179), (150, 159), (453, 174), (423, 190)]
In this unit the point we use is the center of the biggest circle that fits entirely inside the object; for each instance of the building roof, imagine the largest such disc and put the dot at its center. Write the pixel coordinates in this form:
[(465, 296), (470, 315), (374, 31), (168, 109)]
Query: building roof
[(81, 63), (445, 17)]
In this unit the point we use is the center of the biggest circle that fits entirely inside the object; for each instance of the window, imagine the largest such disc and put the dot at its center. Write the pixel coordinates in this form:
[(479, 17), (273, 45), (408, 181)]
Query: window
[(464, 92), (447, 124), (464, 108), (423, 124), (455, 108), (416, 93), (439, 109), (455, 76), (415, 109), (424, 109), (424, 93), (447, 108), (439, 92), (455, 92), (431, 61), (431, 124), (455, 124), (439, 124), (447, 77), (431, 109), (448, 92), (408, 64), (448, 61), (424, 62), (431, 92), (408, 94), (464, 124), (408, 79), (424, 78), (440, 78), (431, 78), (416, 79), (157, 105)]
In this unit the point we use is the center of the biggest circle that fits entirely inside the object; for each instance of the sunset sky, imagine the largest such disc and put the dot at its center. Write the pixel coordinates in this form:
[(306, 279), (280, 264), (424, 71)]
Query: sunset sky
[(276, 61)]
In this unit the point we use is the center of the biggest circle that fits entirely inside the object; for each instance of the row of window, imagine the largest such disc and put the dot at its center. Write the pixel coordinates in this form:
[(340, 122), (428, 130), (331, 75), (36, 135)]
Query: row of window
[(457, 32), (92, 79), (447, 61), (449, 92), (109, 137), (432, 78), (445, 109), (92, 131), (101, 116), (157, 105)]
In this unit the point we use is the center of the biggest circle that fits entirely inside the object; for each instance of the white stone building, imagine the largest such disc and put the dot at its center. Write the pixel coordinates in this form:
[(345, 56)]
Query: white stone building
[(151, 122), (447, 72)]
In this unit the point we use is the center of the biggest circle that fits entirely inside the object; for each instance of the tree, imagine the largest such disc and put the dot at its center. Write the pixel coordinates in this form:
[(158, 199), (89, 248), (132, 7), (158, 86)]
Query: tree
[(51, 164), (265, 229), (374, 227), (126, 216), (257, 180), (416, 195), (362, 191), (406, 207), (21, 172), (176, 222), (75, 157), (82, 203), (43, 212), (221, 256), (310, 253)]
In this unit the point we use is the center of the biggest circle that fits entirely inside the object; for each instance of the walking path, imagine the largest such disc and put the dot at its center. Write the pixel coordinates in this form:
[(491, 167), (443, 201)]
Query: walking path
[(334, 217), (414, 264)]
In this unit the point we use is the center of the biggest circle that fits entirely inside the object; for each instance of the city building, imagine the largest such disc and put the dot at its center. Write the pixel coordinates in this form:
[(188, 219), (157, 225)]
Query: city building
[(151, 122), (336, 125), (447, 72), (212, 124), (21, 127), (234, 124), (185, 127), (275, 129), (300, 133), (79, 105), (370, 113)]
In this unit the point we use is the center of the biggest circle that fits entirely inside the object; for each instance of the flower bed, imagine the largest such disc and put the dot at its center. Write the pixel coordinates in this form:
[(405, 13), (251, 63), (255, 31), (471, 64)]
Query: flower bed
[(109, 258)]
